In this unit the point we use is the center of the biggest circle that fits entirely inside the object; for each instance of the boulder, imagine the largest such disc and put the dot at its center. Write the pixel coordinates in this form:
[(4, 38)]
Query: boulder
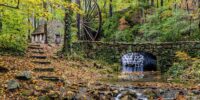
[(53, 95), (27, 92), (13, 84), (115, 92), (127, 95), (26, 75), (43, 98), (81, 96), (70, 95)]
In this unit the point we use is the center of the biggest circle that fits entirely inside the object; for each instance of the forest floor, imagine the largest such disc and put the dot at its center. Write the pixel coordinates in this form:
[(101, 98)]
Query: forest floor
[(59, 78)]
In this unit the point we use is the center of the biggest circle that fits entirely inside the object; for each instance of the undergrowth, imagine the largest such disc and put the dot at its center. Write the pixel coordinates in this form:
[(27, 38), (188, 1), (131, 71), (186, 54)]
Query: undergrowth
[(185, 70)]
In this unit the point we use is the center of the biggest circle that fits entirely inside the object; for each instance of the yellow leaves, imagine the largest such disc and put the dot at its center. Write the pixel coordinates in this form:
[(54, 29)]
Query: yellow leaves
[(166, 14), (75, 8), (194, 15), (72, 6), (34, 81), (45, 14), (35, 2), (182, 56), (38, 88)]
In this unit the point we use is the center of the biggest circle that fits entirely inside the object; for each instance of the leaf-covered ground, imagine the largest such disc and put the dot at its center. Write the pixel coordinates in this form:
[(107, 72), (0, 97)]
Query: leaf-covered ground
[(70, 72), (73, 75)]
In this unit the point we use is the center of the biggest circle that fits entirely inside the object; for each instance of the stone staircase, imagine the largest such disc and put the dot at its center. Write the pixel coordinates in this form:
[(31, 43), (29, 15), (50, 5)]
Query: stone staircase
[(44, 65)]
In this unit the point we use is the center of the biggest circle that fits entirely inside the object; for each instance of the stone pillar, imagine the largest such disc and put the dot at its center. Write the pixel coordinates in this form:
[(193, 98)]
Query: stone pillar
[(43, 38), (32, 39), (36, 38), (40, 38)]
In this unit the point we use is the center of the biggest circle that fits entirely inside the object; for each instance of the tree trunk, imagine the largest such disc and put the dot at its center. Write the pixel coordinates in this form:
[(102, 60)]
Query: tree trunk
[(105, 7), (67, 31), (110, 9), (45, 24), (161, 3), (35, 22), (45, 32), (78, 20), (187, 6), (199, 13), (152, 2), (188, 10), (1, 23), (29, 31), (157, 4)]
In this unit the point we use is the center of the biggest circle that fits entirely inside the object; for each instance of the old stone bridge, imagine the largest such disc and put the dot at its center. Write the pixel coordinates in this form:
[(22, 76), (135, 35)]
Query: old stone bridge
[(111, 52)]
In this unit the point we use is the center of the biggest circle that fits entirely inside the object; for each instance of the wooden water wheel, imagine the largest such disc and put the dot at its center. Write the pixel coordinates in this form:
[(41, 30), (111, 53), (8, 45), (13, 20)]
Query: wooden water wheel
[(90, 23)]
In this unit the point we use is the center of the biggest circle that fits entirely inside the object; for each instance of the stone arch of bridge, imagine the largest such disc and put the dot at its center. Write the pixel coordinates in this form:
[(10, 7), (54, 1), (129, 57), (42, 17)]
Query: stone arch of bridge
[(150, 60)]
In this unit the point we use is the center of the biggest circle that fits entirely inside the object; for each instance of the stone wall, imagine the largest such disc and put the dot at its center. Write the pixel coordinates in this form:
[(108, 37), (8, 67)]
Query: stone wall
[(112, 52)]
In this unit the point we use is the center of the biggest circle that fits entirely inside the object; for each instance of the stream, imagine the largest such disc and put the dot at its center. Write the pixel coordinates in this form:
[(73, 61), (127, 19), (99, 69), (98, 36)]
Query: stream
[(102, 91)]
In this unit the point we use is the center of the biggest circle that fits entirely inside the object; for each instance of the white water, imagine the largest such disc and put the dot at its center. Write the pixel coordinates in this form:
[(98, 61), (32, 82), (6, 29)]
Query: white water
[(132, 62)]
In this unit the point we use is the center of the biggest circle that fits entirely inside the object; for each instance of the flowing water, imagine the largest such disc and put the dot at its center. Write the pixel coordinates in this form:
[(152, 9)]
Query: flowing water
[(134, 64)]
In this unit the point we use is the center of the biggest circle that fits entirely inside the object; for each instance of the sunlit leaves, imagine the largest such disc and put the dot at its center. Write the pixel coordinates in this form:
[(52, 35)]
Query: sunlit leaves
[(182, 55), (18, 22)]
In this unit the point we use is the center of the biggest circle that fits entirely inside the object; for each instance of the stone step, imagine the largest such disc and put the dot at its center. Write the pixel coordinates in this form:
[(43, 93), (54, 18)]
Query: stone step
[(38, 52), (32, 47), (35, 45), (50, 69), (42, 62), (3, 70), (51, 78), (39, 57)]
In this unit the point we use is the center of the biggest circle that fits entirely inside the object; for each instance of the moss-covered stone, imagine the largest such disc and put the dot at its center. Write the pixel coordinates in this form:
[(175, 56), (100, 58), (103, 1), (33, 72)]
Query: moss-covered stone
[(111, 52)]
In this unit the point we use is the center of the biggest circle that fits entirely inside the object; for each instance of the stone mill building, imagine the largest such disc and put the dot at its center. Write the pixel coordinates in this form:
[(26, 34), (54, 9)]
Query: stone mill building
[(54, 33)]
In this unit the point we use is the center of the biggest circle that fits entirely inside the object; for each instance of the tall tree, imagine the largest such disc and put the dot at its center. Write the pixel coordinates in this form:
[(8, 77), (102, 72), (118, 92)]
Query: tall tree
[(161, 3), (111, 9), (67, 31), (1, 23), (152, 2), (8, 6), (45, 23), (199, 13), (78, 19)]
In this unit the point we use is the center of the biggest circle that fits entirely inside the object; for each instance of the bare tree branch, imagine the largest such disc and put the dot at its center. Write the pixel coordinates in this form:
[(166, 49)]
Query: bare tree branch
[(16, 7)]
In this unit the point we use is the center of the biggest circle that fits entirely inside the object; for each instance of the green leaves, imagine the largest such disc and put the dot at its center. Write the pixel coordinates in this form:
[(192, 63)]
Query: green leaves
[(169, 25)]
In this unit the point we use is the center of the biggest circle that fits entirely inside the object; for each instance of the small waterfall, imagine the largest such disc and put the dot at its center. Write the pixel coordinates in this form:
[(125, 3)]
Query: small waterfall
[(134, 64)]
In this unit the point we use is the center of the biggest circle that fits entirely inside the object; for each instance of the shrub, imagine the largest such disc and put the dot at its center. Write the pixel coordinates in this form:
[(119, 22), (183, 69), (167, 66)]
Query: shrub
[(187, 69)]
